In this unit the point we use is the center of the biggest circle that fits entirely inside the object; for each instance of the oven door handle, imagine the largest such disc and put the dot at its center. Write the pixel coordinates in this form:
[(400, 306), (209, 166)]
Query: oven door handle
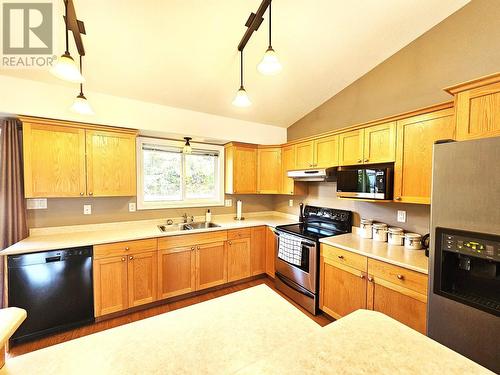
[(295, 286)]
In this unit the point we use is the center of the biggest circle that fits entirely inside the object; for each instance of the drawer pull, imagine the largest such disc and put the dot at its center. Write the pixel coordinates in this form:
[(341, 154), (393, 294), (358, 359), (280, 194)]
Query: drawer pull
[(400, 277), (397, 198), (130, 257), (127, 248), (340, 256), (362, 276), (193, 248), (123, 259), (370, 279), (230, 243)]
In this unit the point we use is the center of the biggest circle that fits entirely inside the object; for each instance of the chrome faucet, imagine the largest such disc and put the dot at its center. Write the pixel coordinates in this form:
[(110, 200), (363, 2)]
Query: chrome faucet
[(186, 218)]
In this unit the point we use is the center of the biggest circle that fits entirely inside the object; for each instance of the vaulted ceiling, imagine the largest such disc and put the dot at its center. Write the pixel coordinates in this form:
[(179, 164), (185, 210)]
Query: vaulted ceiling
[(182, 53)]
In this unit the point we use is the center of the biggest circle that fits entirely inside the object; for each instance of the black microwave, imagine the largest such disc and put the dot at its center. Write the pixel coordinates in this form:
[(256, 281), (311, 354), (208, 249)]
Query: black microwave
[(367, 182)]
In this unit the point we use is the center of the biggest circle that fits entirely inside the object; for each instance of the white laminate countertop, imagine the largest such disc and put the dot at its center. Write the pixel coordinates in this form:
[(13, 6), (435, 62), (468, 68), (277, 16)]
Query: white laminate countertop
[(43, 239), (412, 259)]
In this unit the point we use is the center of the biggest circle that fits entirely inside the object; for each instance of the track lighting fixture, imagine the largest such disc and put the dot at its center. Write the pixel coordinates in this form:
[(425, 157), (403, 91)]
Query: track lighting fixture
[(270, 64), (241, 99), (81, 105), (187, 149)]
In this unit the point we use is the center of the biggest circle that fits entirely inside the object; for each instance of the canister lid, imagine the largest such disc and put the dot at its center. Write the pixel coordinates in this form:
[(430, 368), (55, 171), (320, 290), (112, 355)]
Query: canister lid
[(413, 235), (380, 225), (366, 221), (395, 230)]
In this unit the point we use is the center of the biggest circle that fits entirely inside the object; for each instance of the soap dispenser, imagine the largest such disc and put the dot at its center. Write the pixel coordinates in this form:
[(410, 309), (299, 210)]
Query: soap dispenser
[(208, 216)]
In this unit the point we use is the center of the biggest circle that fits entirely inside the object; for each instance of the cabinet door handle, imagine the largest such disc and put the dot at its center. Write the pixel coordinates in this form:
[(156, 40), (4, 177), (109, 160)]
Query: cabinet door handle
[(362, 276), (197, 247), (123, 259), (360, 160), (127, 248), (81, 194), (90, 193), (130, 257), (400, 277), (230, 243), (370, 279), (367, 160), (193, 248), (341, 257), (397, 198)]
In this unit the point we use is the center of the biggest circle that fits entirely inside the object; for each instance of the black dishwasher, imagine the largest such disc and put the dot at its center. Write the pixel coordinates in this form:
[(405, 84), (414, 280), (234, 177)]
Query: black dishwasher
[(54, 287)]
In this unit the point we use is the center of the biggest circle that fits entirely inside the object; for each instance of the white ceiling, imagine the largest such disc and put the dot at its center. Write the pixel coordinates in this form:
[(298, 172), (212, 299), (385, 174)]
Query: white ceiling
[(182, 53)]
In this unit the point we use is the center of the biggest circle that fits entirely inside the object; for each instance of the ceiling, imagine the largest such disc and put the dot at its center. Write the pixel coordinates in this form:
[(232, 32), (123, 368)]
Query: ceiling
[(182, 53)]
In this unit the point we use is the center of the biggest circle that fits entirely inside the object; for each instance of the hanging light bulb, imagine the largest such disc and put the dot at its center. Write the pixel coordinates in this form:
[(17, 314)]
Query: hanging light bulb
[(65, 67), (81, 105), (241, 99), (187, 149), (270, 64)]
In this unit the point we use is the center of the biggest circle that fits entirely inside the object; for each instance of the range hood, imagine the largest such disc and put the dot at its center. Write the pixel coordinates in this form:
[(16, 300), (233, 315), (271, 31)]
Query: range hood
[(320, 174)]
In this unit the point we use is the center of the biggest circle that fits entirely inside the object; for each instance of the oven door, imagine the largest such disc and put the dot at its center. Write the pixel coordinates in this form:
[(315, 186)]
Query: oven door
[(304, 275)]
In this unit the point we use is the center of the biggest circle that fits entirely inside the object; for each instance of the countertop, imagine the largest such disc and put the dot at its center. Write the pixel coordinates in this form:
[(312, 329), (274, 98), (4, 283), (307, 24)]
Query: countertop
[(53, 238), (412, 259)]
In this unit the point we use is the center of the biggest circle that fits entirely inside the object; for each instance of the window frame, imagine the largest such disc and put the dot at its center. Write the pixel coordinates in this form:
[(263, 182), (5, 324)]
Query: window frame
[(184, 203)]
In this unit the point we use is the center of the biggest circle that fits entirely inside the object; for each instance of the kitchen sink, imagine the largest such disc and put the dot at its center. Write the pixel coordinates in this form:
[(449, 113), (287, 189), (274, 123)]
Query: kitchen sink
[(187, 226)]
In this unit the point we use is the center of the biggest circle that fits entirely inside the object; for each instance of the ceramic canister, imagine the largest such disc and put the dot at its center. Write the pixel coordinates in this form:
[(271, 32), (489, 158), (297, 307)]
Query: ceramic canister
[(365, 228), (395, 236), (380, 232), (413, 241)]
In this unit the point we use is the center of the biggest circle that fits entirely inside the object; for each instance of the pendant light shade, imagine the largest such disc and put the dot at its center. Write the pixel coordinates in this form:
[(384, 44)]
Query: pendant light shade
[(270, 64), (82, 106), (241, 99), (187, 149), (65, 68)]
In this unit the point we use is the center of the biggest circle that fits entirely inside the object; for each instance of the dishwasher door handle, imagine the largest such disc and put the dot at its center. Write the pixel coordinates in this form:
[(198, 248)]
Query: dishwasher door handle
[(53, 259)]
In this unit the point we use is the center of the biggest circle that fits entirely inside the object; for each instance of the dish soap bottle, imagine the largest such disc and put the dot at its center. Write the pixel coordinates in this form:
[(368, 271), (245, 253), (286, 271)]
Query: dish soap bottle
[(208, 216)]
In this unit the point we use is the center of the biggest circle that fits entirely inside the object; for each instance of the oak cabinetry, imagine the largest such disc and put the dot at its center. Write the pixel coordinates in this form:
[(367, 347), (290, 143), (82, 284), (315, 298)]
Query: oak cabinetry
[(63, 159), (125, 275), (271, 248), (288, 185), (258, 251), (211, 265), (238, 259), (176, 271), (477, 108), (413, 167), (269, 170), (374, 144), (304, 155), (318, 153), (241, 168)]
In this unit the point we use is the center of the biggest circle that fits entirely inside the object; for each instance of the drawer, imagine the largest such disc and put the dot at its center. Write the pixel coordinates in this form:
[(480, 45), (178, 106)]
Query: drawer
[(404, 277), (191, 239), (344, 257), (234, 234), (123, 248)]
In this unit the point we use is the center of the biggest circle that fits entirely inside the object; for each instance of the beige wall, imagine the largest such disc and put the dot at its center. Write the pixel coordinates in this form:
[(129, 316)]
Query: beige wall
[(324, 194), (69, 211), (462, 47)]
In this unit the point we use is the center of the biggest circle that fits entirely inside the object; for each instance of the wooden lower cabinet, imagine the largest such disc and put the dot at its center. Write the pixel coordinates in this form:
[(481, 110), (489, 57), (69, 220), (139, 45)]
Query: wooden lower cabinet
[(271, 248), (142, 278), (258, 251), (211, 265), (110, 285), (238, 259), (176, 271)]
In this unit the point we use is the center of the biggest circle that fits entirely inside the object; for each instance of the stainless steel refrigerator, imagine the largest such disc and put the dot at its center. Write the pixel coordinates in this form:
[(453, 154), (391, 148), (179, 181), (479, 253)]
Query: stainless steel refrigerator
[(464, 283)]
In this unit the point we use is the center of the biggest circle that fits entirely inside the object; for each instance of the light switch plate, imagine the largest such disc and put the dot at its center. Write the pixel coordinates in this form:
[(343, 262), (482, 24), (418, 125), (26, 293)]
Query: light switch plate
[(36, 204), (401, 216), (290, 203), (87, 209), (131, 207), (228, 203)]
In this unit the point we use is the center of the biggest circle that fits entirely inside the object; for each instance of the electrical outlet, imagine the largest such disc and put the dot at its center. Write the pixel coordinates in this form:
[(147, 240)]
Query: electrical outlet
[(290, 203), (131, 207), (401, 216), (87, 209), (228, 203), (36, 204)]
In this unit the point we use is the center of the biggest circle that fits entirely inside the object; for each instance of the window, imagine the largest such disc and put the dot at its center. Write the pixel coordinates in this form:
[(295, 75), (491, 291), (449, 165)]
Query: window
[(167, 178)]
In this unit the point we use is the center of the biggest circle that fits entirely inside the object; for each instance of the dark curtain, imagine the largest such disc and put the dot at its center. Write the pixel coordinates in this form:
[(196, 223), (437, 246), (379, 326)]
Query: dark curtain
[(13, 221)]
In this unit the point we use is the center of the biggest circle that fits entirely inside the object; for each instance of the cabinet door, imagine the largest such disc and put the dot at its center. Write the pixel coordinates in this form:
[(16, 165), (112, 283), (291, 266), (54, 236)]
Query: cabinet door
[(271, 243), (211, 265), (54, 161), (176, 271), (238, 259), (110, 285), (304, 155), (380, 143), (326, 152), (287, 164), (351, 148), (258, 251), (413, 167), (478, 112), (269, 170), (110, 164), (404, 305), (342, 288), (245, 170), (142, 278)]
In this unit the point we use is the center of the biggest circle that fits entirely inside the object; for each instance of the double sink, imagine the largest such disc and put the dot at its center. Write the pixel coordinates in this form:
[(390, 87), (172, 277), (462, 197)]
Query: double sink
[(187, 226)]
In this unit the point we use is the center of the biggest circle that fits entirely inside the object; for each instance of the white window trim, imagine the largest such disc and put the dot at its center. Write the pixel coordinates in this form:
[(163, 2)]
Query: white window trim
[(141, 205)]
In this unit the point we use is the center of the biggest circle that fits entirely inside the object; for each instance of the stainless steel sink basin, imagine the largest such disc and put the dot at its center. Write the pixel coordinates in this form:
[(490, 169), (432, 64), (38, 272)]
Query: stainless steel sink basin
[(187, 226)]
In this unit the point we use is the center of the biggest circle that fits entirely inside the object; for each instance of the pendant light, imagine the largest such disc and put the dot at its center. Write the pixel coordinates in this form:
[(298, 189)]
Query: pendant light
[(81, 105), (187, 149), (65, 67), (241, 99), (270, 64)]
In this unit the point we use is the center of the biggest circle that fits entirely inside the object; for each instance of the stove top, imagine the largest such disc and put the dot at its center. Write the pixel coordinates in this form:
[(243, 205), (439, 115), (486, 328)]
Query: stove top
[(320, 222)]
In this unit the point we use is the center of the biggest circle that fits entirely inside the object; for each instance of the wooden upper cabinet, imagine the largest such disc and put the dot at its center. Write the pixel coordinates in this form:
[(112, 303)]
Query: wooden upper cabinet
[(326, 152), (142, 278), (176, 271), (269, 169), (110, 285), (288, 185), (54, 161), (351, 147), (304, 155), (258, 251), (211, 265), (380, 143), (110, 164), (413, 168), (477, 106), (241, 168)]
